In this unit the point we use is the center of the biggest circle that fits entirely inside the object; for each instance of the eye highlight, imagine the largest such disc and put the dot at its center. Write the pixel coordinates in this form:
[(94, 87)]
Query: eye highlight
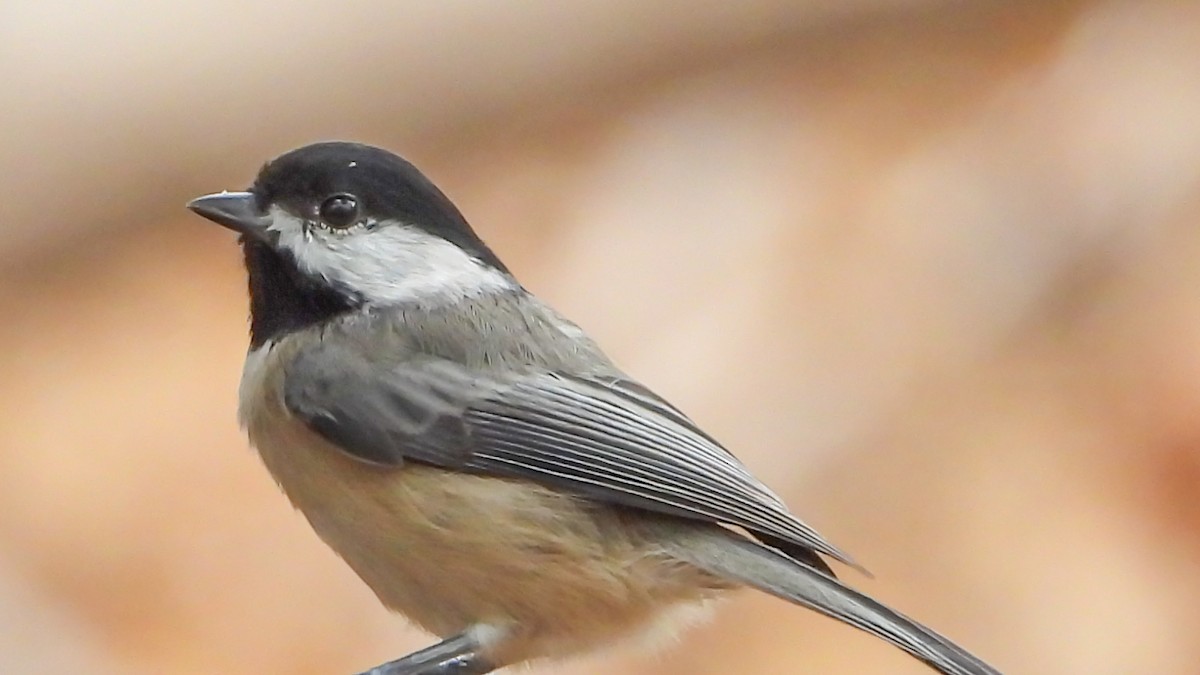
[(339, 211)]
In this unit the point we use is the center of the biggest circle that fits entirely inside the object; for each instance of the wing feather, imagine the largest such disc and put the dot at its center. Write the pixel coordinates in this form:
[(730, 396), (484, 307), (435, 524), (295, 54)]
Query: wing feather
[(604, 438)]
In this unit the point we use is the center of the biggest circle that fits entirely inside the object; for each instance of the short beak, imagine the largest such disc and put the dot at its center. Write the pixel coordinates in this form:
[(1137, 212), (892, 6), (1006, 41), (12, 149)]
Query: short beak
[(239, 211)]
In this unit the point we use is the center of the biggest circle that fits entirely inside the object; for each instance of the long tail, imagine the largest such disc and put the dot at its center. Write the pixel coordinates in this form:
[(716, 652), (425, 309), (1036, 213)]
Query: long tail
[(733, 557)]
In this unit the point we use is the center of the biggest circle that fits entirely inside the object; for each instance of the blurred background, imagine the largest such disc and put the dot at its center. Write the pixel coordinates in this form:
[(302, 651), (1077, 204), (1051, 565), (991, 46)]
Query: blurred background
[(928, 267)]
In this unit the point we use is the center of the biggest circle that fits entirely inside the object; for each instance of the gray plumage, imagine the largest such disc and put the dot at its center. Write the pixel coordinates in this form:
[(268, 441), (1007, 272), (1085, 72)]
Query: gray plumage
[(474, 456), (570, 421), (766, 569), (516, 408)]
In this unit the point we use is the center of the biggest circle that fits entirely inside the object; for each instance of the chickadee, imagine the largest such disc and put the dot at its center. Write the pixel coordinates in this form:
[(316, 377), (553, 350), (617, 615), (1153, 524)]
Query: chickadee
[(472, 454)]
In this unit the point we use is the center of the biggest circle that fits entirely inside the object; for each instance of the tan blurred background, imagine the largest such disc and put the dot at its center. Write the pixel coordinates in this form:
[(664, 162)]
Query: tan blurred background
[(930, 268)]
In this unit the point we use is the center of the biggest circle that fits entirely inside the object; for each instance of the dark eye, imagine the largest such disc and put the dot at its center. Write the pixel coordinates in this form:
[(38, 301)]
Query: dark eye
[(340, 211)]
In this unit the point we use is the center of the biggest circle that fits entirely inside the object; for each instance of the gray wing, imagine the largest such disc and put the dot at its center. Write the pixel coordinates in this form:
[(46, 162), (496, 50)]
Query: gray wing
[(606, 439)]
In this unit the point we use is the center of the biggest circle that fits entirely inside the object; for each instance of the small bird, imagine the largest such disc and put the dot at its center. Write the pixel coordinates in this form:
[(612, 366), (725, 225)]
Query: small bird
[(472, 454)]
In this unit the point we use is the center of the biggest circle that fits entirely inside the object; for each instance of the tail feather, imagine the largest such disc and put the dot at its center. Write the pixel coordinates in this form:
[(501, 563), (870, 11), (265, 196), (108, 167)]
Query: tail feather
[(736, 558)]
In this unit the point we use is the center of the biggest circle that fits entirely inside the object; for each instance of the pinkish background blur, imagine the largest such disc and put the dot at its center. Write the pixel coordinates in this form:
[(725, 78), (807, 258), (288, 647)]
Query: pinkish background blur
[(930, 268)]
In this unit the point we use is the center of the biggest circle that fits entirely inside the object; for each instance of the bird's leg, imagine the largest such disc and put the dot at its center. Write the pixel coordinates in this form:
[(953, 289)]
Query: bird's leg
[(459, 655)]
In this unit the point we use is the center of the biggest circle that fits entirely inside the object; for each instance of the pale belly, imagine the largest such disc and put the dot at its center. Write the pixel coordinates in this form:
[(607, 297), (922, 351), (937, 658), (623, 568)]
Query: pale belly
[(554, 574)]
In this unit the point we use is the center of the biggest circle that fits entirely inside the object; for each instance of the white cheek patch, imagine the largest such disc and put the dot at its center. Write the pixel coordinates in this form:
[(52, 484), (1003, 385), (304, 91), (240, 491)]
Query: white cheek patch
[(388, 264)]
